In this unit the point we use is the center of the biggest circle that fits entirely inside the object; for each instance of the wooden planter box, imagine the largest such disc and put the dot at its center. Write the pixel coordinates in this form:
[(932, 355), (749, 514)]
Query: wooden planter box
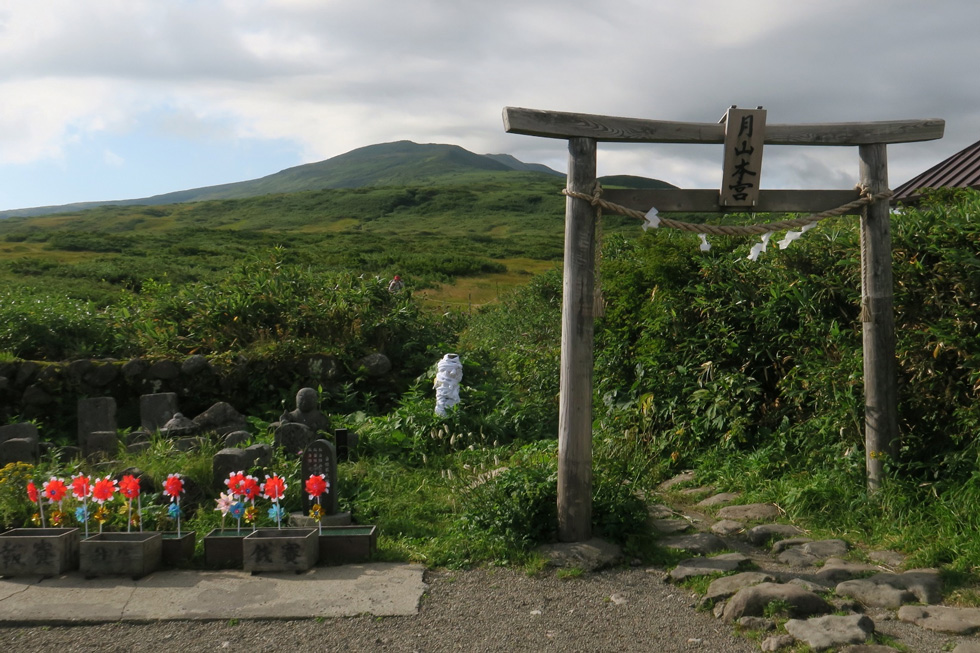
[(345, 544), (39, 551), (280, 549), (223, 547), (177, 550), (120, 554)]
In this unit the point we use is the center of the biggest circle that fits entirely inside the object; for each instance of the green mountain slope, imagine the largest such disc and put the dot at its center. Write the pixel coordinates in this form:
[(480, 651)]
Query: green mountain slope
[(402, 163)]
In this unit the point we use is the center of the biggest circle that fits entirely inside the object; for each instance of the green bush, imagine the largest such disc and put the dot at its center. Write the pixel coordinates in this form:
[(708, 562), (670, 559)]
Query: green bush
[(516, 504), (41, 326), (520, 341)]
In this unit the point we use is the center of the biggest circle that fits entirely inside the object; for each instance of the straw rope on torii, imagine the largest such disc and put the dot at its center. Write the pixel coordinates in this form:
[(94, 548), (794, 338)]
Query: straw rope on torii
[(866, 198), (743, 133)]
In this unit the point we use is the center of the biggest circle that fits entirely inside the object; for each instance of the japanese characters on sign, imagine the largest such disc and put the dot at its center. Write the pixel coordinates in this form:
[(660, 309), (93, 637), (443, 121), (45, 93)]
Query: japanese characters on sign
[(744, 136)]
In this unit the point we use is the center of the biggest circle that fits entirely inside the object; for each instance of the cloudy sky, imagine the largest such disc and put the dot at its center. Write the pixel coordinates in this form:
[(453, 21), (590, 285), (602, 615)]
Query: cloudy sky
[(116, 99)]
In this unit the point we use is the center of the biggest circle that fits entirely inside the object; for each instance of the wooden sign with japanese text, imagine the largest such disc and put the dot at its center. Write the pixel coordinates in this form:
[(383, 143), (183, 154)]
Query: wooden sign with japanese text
[(745, 131)]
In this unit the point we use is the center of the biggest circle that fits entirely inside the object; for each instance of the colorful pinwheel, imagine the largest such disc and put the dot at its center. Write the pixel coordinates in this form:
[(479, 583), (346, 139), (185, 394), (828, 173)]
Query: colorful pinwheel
[(129, 487), (274, 488), (316, 486)]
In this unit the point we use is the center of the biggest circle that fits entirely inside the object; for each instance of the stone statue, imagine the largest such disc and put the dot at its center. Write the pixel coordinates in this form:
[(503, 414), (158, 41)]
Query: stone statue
[(307, 413)]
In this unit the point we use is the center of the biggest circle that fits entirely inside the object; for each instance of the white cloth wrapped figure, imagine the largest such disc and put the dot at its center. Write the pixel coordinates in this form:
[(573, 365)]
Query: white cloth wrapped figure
[(448, 375)]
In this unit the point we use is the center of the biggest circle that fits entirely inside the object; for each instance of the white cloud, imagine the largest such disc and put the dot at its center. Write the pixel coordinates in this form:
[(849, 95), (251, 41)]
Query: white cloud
[(331, 76), (38, 118)]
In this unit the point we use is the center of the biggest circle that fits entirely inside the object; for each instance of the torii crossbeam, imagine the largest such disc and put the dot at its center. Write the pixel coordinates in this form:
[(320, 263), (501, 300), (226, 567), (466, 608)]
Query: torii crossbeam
[(583, 132)]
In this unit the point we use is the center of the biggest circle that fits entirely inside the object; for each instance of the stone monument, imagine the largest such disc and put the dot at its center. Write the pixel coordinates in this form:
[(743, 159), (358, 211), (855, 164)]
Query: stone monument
[(307, 412)]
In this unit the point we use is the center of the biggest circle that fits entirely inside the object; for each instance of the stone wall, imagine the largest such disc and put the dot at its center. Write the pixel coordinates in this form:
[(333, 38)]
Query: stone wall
[(49, 392)]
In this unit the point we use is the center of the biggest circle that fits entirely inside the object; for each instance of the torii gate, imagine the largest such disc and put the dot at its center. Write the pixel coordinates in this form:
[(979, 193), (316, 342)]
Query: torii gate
[(743, 132)]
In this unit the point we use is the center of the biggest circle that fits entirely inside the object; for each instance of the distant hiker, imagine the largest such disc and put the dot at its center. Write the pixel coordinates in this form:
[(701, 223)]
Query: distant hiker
[(396, 284)]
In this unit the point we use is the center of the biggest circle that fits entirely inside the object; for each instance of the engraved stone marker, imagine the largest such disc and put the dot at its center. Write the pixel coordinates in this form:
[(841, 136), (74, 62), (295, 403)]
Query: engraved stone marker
[(321, 458)]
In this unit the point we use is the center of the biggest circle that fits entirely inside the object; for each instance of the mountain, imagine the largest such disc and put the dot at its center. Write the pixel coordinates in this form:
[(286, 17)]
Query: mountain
[(402, 163), (632, 181)]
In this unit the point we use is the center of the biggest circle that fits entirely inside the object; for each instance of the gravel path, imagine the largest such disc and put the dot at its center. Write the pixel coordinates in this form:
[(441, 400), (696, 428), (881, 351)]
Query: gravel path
[(478, 610)]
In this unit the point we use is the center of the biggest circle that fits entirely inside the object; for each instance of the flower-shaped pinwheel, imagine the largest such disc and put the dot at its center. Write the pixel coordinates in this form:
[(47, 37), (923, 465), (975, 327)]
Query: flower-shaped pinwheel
[(54, 490), (225, 501), (173, 487), (81, 488), (275, 512), (103, 490), (316, 486), (236, 483), (101, 515), (129, 487), (250, 489), (33, 495), (274, 489)]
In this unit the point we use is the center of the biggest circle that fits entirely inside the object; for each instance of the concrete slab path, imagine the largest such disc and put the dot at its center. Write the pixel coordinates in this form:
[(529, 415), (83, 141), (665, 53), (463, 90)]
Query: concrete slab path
[(380, 589)]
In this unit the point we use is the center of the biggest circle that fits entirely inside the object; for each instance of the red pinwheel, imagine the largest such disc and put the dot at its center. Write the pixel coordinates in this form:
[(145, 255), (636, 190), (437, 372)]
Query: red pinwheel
[(173, 487), (129, 486), (81, 487), (55, 490), (32, 494), (103, 490), (250, 488), (236, 483), (316, 485), (274, 487)]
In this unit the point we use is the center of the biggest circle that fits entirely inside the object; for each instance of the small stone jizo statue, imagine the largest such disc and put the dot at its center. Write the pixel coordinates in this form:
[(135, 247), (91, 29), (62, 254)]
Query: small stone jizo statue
[(307, 412)]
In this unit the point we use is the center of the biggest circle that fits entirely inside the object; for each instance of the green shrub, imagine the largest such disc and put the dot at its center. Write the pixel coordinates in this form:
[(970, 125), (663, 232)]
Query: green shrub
[(516, 505), (35, 325)]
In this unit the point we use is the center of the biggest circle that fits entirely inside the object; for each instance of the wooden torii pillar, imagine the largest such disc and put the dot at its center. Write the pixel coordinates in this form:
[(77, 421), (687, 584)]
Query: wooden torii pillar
[(583, 132)]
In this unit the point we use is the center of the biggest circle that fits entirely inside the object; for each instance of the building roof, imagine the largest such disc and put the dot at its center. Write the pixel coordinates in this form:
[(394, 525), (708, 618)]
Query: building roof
[(962, 170)]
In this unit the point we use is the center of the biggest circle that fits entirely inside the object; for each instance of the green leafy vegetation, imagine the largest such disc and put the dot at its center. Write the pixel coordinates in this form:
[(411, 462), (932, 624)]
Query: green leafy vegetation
[(749, 372)]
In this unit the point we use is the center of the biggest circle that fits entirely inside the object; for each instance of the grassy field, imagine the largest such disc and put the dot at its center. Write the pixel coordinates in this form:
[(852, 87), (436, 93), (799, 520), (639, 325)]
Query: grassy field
[(470, 293)]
